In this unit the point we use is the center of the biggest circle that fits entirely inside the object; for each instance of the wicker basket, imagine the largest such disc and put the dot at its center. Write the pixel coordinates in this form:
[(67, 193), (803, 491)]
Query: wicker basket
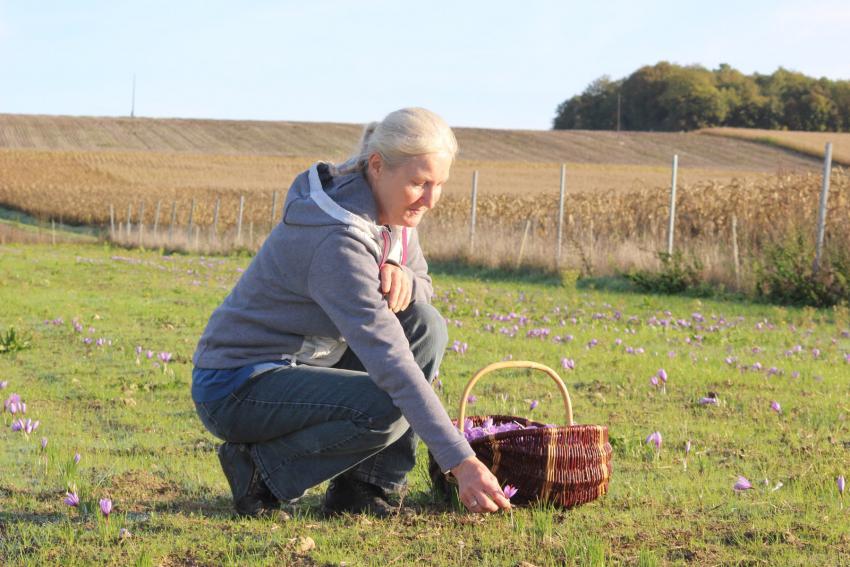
[(564, 465)]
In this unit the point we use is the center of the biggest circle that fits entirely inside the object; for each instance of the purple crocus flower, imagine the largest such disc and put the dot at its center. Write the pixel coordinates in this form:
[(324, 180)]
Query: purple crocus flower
[(43, 443), (533, 405), (840, 482), (568, 363), (4, 383), (71, 499), (654, 439), (472, 399), (774, 405), (708, 401), (31, 426), (742, 484), (149, 354), (77, 458), (662, 374), (18, 425), (165, 357), (106, 506), (138, 350), (509, 491)]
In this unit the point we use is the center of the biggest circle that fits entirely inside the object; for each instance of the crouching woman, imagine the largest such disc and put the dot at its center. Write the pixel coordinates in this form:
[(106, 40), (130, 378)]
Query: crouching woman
[(318, 364)]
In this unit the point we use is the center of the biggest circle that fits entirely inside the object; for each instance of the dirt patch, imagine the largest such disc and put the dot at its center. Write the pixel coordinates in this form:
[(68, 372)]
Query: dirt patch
[(141, 490)]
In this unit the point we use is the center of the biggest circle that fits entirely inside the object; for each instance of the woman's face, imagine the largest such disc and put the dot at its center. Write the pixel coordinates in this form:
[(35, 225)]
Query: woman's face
[(406, 192)]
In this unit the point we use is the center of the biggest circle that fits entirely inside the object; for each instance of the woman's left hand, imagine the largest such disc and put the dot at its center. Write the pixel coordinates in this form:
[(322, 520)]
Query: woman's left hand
[(396, 286)]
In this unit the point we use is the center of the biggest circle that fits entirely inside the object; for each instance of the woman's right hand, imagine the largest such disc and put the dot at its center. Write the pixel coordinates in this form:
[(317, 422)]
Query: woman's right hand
[(478, 488)]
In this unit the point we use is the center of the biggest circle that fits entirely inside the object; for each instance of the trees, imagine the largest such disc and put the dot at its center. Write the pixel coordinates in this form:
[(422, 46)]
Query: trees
[(672, 97)]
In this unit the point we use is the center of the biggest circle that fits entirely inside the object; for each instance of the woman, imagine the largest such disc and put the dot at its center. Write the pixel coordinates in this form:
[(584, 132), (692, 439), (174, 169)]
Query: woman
[(318, 364)]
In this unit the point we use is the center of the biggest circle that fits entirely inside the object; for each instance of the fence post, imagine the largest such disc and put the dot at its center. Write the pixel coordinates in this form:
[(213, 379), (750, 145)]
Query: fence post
[(561, 214), (522, 244), (197, 237), (215, 220), (191, 219), (672, 224), (827, 170), (735, 256), (156, 219), (141, 221), (112, 222), (53, 230), (274, 207), (129, 226), (251, 235), (239, 220), (474, 207), (173, 220)]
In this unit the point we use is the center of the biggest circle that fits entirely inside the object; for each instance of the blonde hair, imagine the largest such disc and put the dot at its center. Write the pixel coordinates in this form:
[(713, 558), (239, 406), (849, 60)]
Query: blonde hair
[(401, 134)]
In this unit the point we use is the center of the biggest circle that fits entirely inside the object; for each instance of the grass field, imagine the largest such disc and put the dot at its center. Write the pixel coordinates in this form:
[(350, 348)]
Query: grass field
[(132, 422)]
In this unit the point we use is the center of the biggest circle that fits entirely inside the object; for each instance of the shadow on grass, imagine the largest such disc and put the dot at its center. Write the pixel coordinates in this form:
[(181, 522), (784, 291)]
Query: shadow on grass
[(622, 284), (523, 274)]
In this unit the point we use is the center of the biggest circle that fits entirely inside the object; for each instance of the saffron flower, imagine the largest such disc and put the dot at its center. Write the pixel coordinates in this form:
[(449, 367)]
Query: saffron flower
[(31, 426), (43, 443), (742, 484), (509, 491), (568, 363), (662, 375), (533, 405), (654, 439), (5, 383), (840, 482), (106, 506), (71, 499), (774, 405), (18, 425), (472, 399), (77, 458), (165, 357)]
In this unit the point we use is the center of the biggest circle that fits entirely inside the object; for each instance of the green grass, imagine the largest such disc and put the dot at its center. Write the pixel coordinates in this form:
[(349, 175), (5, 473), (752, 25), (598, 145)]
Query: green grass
[(142, 445)]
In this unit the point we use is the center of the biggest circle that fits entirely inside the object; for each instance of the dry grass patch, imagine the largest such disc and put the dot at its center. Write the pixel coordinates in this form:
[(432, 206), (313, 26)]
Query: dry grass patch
[(809, 143)]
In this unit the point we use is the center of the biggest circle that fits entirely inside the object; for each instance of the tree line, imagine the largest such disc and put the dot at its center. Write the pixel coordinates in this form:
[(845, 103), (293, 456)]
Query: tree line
[(671, 97)]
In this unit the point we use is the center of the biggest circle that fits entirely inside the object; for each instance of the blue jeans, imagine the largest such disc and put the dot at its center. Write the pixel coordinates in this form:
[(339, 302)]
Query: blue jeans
[(308, 424)]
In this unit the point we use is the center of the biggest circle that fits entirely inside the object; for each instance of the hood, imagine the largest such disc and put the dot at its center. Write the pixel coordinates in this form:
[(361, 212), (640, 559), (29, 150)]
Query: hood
[(316, 198)]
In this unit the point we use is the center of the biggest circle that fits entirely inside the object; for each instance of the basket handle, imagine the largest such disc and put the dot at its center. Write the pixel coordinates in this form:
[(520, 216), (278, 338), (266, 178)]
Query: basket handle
[(515, 364)]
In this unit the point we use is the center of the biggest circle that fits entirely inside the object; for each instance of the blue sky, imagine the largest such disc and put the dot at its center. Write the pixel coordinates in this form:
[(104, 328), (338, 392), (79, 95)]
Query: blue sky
[(478, 63)]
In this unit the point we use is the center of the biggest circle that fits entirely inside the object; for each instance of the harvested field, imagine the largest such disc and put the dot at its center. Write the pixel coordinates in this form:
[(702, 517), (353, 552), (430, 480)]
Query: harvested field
[(335, 141)]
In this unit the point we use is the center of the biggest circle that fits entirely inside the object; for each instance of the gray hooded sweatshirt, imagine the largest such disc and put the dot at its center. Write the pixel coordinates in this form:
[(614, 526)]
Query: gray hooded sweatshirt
[(314, 287)]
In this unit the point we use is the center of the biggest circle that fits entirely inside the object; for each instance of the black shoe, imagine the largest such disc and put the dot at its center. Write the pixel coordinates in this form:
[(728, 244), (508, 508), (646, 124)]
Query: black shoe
[(346, 494), (251, 496)]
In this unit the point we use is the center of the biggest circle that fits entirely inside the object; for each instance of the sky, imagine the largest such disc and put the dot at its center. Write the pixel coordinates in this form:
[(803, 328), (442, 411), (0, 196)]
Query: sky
[(488, 64)]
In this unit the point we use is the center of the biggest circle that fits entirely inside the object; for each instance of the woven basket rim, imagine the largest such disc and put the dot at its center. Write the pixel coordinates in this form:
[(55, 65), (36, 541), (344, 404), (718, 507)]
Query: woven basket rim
[(519, 432)]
